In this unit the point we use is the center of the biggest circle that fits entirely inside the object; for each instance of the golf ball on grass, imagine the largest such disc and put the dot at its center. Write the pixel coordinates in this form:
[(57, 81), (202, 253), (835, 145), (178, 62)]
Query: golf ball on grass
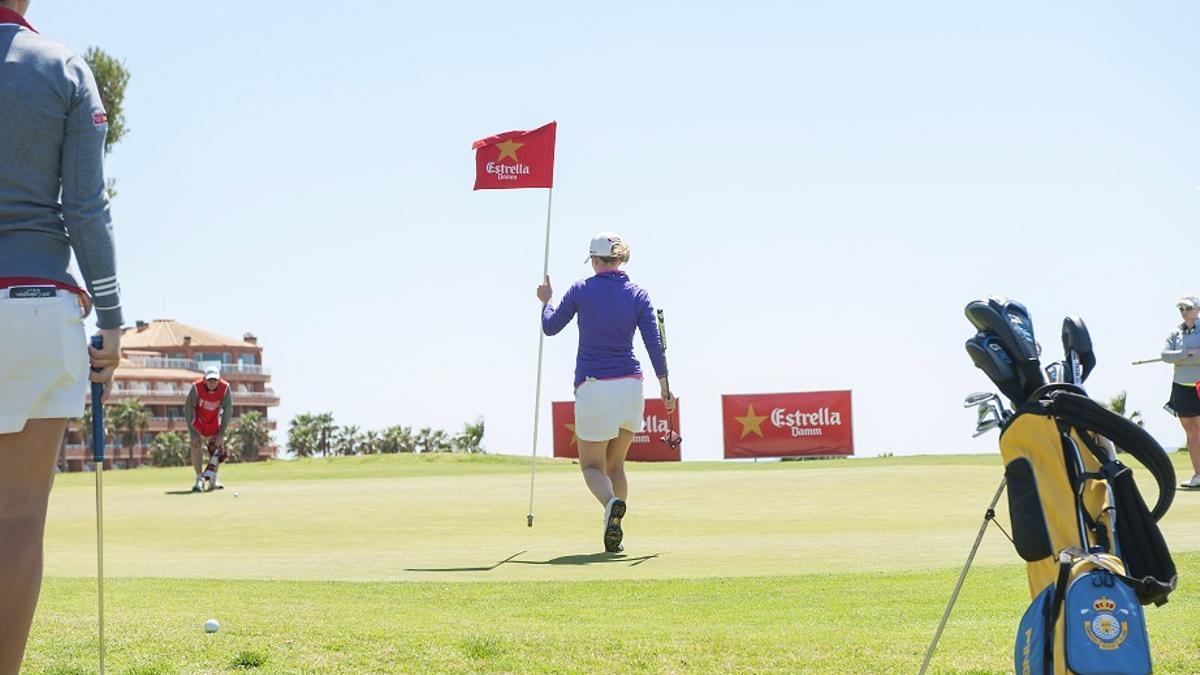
[(211, 626)]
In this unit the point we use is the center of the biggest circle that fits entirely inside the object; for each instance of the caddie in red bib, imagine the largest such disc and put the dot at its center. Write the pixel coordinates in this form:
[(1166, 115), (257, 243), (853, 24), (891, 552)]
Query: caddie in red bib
[(208, 410)]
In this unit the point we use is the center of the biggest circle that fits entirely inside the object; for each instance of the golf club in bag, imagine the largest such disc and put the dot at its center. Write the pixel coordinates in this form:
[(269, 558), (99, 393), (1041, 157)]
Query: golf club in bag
[(1093, 549), (671, 438), (1006, 329), (98, 459)]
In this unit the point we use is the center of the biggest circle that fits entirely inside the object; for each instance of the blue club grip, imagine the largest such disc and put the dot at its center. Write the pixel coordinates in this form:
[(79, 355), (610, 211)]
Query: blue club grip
[(97, 411)]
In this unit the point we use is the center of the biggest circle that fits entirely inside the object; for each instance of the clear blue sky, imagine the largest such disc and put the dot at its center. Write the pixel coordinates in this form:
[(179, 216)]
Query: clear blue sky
[(812, 191)]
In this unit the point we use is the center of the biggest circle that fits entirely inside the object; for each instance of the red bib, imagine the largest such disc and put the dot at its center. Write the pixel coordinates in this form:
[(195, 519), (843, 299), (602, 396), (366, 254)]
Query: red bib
[(208, 407)]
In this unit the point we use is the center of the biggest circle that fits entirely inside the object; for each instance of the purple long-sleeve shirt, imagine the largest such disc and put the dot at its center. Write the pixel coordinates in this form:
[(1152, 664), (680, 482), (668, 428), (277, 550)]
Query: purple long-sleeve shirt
[(610, 307)]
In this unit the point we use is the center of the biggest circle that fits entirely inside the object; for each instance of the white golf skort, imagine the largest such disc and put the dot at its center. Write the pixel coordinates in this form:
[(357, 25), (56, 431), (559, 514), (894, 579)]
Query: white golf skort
[(604, 407), (43, 357)]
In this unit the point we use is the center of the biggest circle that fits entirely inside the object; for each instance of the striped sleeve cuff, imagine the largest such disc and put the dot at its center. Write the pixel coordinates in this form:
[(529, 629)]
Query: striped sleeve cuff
[(106, 298)]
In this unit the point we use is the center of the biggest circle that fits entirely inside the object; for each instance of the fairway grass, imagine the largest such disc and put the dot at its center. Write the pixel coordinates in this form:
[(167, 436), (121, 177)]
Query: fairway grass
[(356, 565)]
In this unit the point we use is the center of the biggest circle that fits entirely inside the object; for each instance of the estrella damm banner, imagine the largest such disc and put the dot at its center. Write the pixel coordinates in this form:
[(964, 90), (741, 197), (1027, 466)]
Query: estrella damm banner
[(802, 424)]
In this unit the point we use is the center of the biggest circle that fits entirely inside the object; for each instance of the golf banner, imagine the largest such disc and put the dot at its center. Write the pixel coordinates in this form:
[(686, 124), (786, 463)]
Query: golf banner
[(647, 446), (805, 424), (516, 159)]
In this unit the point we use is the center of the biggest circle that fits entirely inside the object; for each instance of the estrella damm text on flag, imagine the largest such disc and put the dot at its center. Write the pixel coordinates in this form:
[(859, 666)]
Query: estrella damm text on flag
[(516, 159), (804, 424)]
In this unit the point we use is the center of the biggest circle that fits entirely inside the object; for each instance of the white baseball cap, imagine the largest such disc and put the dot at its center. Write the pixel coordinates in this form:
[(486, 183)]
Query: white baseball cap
[(212, 373), (602, 245), (1189, 300)]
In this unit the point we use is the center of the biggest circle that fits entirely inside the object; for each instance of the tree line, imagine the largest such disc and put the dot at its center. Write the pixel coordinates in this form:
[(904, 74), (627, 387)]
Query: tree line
[(316, 435)]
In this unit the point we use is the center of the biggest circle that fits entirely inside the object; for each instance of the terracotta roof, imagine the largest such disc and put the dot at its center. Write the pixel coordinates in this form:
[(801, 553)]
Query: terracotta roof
[(165, 333)]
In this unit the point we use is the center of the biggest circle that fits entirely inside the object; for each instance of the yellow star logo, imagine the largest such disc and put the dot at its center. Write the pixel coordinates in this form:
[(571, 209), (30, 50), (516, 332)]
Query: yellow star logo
[(571, 427), (751, 423), (509, 149)]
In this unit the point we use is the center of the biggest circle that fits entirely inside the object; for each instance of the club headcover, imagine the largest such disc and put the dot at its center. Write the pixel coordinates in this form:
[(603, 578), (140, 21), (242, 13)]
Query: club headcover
[(1075, 338), (1009, 321), (990, 355)]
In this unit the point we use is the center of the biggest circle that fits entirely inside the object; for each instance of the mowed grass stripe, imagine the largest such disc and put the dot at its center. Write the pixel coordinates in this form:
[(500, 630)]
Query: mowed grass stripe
[(843, 623)]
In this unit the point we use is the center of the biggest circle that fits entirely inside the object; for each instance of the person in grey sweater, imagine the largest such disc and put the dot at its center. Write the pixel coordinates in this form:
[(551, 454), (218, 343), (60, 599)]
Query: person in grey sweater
[(1182, 350), (52, 202)]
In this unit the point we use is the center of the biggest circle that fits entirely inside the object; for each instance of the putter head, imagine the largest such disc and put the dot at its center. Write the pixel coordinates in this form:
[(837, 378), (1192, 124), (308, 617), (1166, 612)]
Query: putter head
[(672, 439)]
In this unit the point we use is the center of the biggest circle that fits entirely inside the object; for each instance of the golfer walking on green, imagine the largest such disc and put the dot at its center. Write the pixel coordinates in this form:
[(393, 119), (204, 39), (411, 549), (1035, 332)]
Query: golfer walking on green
[(52, 202), (608, 378)]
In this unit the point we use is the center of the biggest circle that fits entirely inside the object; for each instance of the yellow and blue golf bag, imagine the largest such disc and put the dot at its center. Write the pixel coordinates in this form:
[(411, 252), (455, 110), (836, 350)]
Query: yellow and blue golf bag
[(1094, 553)]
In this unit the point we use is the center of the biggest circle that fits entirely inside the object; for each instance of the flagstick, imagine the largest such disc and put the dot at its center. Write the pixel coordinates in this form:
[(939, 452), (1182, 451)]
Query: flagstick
[(537, 395)]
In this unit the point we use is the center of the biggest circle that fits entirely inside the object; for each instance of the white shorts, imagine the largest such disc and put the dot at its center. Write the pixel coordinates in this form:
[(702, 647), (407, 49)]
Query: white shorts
[(604, 407), (43, 359)]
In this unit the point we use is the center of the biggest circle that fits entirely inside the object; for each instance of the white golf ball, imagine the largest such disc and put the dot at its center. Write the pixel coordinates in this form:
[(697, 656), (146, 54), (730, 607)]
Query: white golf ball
[(211, 626), (235, 494)]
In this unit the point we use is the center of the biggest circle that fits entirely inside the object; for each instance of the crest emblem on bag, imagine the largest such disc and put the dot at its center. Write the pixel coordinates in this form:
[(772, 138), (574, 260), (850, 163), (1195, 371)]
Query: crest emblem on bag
[(1104, 628)]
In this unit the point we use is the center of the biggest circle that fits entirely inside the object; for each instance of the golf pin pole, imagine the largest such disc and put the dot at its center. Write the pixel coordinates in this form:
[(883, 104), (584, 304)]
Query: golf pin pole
[(98, 459), (537, 392)]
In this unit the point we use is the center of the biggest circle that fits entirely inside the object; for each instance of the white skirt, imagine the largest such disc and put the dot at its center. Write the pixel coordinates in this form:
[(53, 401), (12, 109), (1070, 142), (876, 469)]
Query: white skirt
[(43, 359), (604, 407)]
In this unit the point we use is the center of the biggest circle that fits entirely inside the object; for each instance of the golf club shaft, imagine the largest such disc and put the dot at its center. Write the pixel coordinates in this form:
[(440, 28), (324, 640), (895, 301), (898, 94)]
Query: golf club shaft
[(1145, 361), (98, 458), (662, 340), (100, 556), (962, 577), (98, 442)]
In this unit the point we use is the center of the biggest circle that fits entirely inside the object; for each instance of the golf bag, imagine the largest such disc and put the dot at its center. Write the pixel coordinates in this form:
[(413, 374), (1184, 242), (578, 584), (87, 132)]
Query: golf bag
[(1093, 550)]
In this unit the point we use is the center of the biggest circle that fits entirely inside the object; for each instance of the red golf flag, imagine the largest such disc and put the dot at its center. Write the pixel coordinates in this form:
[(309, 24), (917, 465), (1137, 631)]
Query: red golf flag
[(516, 159)]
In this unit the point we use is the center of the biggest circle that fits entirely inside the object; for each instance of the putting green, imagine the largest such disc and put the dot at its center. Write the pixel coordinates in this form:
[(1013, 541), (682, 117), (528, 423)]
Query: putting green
[(411, 518), (356, 565)]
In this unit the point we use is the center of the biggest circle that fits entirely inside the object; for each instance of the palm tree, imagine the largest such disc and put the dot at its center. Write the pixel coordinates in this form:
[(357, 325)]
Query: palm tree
[(325, 430), (169, 449), (432, 440), (396, 439), (249, 434), (347, 440), (470, 439), (302, 439), (370, 443), (130, 419), (1118, 404)]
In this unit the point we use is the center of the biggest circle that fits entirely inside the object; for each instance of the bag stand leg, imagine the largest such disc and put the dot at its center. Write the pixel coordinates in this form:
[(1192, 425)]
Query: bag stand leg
[(987, 517)]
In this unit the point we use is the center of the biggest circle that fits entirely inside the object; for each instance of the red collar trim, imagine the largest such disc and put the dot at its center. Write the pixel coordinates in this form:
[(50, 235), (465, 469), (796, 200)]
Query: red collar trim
[(9, 16)]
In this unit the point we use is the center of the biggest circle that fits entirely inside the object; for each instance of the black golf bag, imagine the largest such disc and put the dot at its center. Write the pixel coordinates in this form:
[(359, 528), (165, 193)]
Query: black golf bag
[(1093, 549)]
